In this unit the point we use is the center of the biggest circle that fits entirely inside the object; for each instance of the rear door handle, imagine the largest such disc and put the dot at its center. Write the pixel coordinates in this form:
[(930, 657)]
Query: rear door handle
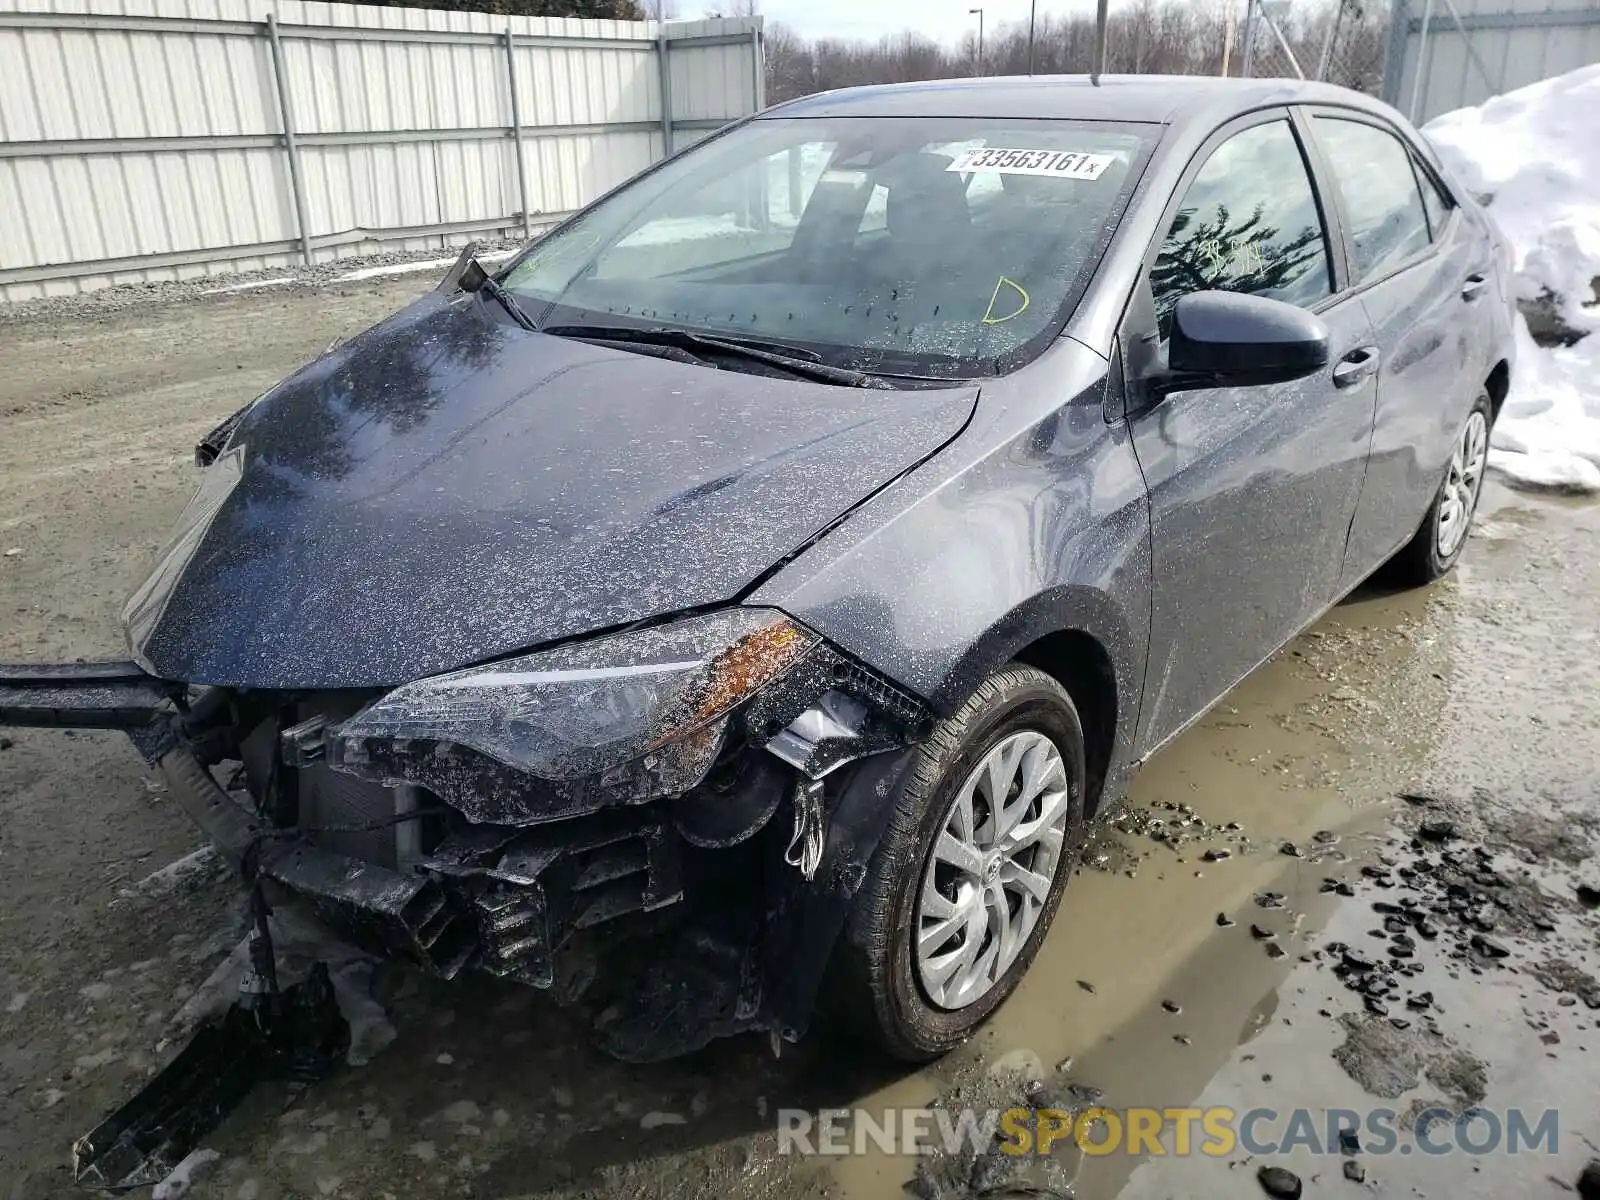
[(1471, 289), (1356, 366)]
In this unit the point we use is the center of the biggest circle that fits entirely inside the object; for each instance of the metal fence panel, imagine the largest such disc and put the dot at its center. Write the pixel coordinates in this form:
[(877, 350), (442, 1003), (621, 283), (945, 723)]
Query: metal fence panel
[(151, 142), (1469, 50)]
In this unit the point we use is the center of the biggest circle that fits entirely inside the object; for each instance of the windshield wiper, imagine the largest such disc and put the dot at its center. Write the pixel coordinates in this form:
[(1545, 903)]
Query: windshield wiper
[(491, 286), (788, 359), (470, 275)]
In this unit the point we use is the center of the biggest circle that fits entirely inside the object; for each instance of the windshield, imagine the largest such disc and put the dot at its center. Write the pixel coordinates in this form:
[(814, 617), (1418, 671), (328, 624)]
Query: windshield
[(919, 245)]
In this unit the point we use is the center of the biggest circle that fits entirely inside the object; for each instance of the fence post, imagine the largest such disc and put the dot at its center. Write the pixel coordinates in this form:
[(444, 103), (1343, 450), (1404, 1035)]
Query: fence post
[(1283, 43), (1249, 55), (1472, 51), (1395, 62), (280, 81), (663, 56), (758, 90), (516, 134), (1422, 63), (1326, 60)]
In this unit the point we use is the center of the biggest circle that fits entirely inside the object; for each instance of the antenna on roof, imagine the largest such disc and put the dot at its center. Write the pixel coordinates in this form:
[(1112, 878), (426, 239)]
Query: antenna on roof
[(1101, 16)]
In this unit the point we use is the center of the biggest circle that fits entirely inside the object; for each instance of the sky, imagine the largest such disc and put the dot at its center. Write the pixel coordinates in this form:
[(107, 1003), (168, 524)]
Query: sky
[(943, 20)]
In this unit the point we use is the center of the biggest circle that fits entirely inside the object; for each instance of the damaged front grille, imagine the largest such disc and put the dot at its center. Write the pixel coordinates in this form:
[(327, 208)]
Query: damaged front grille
[(410, 915), (493, 898), (394, 871), (427, 848), (532, 891)]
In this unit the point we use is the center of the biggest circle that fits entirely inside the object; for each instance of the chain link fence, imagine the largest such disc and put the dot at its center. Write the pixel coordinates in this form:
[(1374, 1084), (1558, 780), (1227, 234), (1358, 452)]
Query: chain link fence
[(1337, 41)]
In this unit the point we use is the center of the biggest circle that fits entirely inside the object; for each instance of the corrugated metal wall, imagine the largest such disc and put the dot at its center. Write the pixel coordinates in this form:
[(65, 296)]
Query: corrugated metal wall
[(145, 139), (1496, 46)]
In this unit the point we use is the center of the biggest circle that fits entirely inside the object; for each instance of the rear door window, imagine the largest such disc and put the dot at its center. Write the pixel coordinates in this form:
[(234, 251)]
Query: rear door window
[(1382, 202), (1435, 201), (1248, 223)]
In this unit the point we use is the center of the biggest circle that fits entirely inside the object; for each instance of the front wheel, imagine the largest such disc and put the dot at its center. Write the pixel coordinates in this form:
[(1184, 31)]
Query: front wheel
[(985, 834), (1438, 544)]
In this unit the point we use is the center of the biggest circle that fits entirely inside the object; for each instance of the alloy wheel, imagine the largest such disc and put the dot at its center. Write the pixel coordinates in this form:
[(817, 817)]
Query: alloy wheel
[(1462, 484), (989, 874)]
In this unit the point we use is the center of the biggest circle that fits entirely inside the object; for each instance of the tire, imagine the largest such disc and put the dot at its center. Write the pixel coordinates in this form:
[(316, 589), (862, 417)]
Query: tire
[(1428, 555), (876, 986)]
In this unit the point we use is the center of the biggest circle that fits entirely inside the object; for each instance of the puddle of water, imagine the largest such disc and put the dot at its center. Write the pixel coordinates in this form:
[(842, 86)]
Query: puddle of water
[(1388, 690), (1484, 682), (1506, 1038)]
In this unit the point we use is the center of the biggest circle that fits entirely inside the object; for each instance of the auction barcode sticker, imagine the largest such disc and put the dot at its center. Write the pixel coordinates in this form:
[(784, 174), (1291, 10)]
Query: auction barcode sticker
[(1059, 164)]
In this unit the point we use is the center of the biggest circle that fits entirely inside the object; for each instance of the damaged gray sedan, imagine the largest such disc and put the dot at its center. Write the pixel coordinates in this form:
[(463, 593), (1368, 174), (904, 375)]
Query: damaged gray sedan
[(746, 594)]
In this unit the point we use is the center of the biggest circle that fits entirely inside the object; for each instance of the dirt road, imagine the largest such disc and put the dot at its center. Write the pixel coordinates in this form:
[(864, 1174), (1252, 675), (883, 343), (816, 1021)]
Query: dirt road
[(1481, 697)]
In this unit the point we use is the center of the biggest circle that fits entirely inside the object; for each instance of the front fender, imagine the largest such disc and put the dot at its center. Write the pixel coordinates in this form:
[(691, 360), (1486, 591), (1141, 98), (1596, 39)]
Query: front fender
[(1034, 521)]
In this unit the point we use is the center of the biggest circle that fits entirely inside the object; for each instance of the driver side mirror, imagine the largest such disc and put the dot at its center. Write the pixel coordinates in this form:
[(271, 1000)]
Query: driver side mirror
[(1227, 339)]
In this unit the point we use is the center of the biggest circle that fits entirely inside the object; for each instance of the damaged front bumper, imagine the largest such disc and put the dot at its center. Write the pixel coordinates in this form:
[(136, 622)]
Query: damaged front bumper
[(676, 918), (96, 695)]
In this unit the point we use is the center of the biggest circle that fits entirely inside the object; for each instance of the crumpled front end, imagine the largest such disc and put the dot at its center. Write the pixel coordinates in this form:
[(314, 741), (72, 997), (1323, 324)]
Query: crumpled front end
[(665, 826)]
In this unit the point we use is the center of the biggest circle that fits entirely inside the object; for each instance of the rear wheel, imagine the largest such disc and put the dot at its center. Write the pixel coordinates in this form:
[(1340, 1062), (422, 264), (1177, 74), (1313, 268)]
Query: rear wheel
[(985, 834), (1438, 544)]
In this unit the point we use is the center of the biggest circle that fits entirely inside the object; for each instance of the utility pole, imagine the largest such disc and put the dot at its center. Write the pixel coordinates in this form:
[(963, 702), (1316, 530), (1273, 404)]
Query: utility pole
[(979, 13), (1033, 13), (1101, 18)]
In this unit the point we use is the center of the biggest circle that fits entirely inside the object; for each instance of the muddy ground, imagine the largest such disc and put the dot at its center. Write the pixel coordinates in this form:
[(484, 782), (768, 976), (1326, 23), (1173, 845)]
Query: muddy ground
[(1479, 697)]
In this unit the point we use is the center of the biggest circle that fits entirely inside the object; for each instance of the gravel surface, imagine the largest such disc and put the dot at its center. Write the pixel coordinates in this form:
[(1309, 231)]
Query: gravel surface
[(218, 288), (1479, 698)]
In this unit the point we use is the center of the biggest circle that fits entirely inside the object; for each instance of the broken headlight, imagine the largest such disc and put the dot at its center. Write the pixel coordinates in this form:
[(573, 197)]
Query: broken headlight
[(639, 714)]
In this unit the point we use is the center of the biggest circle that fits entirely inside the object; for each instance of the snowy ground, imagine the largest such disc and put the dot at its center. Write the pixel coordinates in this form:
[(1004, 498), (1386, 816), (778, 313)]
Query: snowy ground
[(1535, 153)]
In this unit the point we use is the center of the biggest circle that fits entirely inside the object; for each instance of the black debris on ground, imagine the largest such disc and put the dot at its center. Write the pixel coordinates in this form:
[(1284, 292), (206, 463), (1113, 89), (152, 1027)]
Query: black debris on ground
[(1279, 1183)]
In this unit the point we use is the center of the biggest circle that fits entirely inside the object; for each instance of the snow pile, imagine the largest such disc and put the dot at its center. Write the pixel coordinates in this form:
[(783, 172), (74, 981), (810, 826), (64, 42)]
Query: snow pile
[(402, 268), (1535, 154), (1548, 434)]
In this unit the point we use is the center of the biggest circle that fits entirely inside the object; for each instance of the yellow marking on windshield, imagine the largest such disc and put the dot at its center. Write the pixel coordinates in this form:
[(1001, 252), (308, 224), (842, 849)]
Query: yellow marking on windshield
[(988, 314)]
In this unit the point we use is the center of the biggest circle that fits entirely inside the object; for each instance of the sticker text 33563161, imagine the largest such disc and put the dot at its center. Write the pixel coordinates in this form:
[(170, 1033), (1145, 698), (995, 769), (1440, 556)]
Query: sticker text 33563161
[(1059, 164)]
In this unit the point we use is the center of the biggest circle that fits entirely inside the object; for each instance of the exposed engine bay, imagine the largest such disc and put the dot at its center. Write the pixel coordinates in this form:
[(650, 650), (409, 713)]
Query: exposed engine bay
[(718, 803), (663, 826)]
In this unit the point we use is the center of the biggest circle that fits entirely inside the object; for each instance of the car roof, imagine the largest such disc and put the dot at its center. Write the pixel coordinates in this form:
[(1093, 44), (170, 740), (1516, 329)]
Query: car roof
[(1158, 99)]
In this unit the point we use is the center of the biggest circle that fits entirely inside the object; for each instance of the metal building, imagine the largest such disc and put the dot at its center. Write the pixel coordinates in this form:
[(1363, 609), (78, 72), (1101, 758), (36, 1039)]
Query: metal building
[(158, 139), (1447, 54)]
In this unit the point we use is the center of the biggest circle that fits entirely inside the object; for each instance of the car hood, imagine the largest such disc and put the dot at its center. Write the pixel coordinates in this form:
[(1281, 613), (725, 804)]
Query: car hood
[(447, 488)]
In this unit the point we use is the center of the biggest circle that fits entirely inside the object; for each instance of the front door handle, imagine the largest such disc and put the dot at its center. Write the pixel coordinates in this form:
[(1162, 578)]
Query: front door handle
[(1473, 287), (1356, 366)]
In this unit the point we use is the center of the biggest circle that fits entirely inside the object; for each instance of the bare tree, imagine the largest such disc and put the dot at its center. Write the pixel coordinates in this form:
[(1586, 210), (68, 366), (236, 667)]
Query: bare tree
[(1163, 37)]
